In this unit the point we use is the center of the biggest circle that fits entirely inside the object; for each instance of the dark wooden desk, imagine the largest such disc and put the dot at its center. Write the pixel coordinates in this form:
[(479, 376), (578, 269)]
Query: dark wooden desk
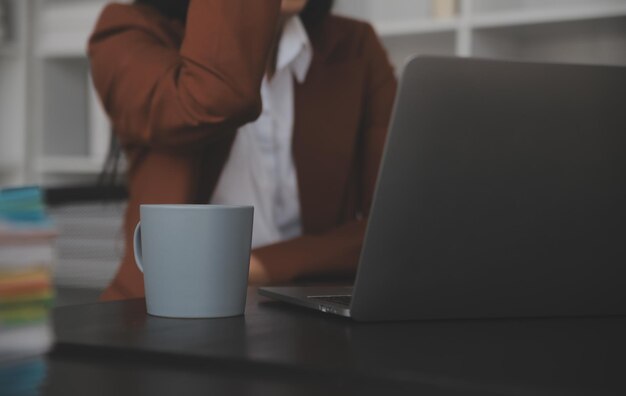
[(115, 348)]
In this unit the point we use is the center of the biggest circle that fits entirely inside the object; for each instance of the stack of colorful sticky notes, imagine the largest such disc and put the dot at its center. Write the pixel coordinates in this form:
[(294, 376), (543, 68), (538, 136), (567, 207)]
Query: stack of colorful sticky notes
[(27, 254)]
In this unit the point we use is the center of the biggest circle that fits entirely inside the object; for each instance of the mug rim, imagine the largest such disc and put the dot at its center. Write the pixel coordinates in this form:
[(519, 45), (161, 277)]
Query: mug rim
[(195, 206)]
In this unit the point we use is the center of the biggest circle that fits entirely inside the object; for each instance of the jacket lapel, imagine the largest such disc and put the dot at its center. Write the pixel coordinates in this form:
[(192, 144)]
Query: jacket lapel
[(328, 112)]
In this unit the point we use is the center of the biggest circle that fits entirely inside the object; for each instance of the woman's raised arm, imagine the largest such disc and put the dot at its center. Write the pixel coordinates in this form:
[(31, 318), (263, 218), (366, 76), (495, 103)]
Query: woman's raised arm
[(162, 96)]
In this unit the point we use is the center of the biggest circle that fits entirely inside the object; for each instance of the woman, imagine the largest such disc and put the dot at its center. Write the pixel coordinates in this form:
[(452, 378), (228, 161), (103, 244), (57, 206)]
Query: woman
[(181, 86)]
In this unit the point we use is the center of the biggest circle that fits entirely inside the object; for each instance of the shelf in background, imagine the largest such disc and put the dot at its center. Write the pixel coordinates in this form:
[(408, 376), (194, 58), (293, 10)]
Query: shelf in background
[(8, 51), (12, 35), (69, 165), (508, 19), (418, 26), (8, 165), (560, 42), (64, 28), (403, 47)]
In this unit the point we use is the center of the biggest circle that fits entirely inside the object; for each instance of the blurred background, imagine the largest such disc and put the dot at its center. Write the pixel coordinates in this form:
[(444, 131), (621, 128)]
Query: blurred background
[(53, 132)]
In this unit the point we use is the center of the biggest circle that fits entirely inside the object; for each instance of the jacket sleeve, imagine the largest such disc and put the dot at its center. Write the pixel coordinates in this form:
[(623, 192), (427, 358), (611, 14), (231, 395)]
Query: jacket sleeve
[(337, 251), (158, 95)]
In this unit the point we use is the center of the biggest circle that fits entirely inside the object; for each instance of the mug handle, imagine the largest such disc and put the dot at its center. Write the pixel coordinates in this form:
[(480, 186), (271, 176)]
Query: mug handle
[(137, 247)]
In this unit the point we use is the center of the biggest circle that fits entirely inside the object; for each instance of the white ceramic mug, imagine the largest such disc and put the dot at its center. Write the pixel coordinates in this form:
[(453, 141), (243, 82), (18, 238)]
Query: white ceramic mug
[(195, 259)]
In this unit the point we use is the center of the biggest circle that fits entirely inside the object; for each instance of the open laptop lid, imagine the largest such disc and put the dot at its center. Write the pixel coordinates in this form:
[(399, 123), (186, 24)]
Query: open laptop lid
[(502, 193)]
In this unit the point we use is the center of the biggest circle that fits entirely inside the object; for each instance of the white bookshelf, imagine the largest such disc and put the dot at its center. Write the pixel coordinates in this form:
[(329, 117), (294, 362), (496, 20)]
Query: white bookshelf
[(63, 27), (578, 31), (52, 129), (14, 167), (73, 131)]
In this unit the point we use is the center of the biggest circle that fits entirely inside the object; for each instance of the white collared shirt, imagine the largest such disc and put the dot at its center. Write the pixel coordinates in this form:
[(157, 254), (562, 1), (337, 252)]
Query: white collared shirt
[(260, 169)]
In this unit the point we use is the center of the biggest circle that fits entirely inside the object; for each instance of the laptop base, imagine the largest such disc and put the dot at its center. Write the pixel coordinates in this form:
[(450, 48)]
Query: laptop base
[(311, 297)]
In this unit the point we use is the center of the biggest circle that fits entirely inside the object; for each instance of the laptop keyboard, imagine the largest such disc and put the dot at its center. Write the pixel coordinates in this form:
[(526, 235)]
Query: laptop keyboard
[(340, 300)]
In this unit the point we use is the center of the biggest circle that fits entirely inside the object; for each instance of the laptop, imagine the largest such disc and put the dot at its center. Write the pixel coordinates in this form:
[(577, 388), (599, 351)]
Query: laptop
[(502, 193)]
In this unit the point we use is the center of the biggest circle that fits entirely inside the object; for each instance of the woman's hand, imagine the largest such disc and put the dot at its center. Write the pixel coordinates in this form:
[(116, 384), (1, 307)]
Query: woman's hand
[(258, 275)]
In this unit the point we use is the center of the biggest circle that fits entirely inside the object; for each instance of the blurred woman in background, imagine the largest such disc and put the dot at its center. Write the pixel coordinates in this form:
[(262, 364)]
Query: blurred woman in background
[(210, 105)]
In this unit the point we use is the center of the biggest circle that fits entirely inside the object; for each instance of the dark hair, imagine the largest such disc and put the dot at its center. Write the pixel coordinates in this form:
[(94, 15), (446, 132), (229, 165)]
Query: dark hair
[(175, 9), (314, 12)]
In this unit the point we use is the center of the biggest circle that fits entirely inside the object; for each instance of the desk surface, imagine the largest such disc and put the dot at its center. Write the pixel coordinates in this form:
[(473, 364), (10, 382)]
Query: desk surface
[(283, 348)]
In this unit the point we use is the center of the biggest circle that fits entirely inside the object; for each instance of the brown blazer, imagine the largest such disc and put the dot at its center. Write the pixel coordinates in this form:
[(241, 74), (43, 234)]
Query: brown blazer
[(177, 95)]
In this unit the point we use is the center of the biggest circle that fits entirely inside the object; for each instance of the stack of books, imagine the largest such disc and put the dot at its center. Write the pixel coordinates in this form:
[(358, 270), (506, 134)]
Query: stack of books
[(27, 254)]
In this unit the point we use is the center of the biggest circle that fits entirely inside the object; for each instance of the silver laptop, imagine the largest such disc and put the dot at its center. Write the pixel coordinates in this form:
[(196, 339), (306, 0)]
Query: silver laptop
[(502, 193)]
